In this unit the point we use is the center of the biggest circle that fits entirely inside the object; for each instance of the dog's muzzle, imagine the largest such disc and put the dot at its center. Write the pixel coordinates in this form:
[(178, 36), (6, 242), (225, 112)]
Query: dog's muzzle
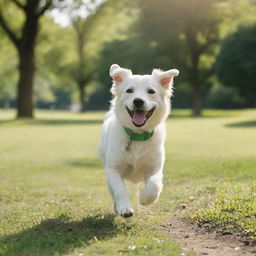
[(140, 117)]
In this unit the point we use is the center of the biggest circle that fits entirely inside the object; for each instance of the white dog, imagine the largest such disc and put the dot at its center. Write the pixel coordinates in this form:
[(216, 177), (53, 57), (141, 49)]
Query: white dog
[(133, 134)]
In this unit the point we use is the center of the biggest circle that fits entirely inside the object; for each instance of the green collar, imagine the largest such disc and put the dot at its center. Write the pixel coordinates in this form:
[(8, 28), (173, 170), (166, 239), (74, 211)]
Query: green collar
[(138, 137)]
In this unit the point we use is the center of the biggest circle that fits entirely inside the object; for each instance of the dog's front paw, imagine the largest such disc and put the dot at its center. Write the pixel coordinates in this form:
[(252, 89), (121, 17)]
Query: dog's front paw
[(148, 197), (124, 211)]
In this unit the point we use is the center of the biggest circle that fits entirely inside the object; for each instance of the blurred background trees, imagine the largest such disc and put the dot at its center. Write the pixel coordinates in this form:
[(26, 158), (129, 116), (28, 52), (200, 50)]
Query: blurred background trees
[(236, 63), (211, 42), (185, 34)]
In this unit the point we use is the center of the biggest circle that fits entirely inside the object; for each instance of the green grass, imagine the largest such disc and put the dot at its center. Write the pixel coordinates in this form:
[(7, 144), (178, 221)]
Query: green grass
[(233, 212), (54, 199)]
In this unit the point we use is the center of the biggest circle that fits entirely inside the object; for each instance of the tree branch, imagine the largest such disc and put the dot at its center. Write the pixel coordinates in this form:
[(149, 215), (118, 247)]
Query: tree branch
[(44, 8), (18, 4), (9, 32)]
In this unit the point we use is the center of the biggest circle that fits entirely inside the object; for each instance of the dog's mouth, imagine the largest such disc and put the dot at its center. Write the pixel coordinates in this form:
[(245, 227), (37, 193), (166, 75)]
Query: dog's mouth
[(140, 117)]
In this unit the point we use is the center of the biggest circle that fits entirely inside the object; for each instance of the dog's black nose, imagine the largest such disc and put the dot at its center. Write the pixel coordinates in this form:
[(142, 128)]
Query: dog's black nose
[(138, 103)]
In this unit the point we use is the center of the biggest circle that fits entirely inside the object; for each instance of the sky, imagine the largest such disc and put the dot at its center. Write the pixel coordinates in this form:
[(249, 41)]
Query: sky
[(70, 9)]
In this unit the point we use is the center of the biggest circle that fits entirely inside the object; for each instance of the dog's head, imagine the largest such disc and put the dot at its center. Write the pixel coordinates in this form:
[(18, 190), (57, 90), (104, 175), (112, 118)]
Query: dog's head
[(141, 101)]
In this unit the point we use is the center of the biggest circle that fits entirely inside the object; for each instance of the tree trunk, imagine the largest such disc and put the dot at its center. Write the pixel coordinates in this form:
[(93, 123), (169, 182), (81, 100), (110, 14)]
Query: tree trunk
[(25, 85), (26, 51), (194, 74), (197, 98), (254, 101), (82, 94), (197, 102)]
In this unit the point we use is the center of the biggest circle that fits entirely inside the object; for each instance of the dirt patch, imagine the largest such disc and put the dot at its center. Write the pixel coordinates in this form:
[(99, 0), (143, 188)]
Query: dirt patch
[(200, 241)]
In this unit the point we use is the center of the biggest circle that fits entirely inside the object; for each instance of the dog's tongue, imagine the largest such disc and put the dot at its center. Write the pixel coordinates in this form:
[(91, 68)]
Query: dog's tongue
[(139, 117)]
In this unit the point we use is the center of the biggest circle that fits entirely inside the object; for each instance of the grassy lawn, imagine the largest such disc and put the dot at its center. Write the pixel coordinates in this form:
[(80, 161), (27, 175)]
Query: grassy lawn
[(54, 199)]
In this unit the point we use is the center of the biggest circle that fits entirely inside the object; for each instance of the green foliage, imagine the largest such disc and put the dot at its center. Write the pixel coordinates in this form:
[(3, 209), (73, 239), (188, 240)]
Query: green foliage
[(138, 35), (159, 38), (236, 63), (182, 42), (120, 51), (8, 75), (224, 98), (11, 10), (53, 85)]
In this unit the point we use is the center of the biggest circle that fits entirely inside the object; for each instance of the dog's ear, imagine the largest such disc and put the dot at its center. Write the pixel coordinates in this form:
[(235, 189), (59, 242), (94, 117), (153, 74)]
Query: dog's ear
[(118, 74), (165, 78)]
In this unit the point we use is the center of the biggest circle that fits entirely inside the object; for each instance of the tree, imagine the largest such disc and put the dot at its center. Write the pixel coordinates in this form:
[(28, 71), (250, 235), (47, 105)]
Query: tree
[(25, 43), (236, 62), (185, 34), (81, 72), (81, 15), (55, 52)]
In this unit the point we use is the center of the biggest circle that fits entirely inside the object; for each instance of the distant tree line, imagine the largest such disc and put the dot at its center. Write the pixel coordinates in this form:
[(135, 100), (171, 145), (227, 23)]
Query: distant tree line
[(214, 52), (191, 44)]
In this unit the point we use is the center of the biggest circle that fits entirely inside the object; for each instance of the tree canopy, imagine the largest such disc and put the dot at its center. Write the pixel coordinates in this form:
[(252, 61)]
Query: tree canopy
[(137, 34), (236, 62)]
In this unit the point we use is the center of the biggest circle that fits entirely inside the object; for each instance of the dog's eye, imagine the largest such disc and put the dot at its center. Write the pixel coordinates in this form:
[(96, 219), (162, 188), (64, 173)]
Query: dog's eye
[(129, 90), (150, 91)]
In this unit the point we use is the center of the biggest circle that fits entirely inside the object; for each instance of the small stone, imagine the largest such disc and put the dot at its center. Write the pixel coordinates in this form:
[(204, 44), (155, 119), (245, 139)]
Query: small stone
[(237, 248), (132, 247)]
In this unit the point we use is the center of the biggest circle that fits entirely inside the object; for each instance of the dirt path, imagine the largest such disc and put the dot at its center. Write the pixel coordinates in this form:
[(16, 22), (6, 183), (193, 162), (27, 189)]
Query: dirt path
[(196, 240)]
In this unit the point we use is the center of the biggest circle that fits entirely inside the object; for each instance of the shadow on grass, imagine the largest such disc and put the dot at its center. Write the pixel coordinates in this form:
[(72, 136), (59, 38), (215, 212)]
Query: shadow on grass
[(88, 163), (59, 236), (242, 124), (52, 121)]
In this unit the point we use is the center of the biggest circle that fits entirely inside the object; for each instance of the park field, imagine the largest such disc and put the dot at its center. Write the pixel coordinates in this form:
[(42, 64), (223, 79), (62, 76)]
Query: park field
[(54, 199)]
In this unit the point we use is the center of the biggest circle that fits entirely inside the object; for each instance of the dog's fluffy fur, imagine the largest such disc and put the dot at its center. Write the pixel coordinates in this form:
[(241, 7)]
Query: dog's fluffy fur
[(143, 160)]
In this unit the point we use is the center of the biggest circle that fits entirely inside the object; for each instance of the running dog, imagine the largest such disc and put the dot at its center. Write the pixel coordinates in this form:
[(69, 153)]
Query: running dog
[(133, 134)]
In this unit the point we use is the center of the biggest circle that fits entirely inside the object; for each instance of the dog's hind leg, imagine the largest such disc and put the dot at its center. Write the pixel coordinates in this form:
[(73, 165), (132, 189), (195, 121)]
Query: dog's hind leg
[(119, 193), (152, 190)]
